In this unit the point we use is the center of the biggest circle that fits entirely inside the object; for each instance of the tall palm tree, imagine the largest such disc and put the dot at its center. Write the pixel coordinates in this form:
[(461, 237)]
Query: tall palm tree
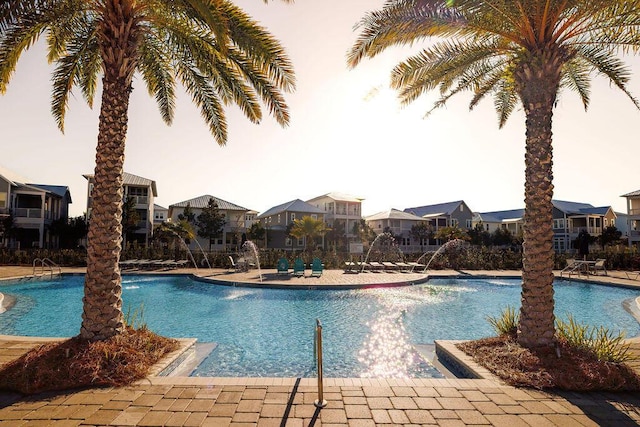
[(308, 228), (213, 48), (514, 51)]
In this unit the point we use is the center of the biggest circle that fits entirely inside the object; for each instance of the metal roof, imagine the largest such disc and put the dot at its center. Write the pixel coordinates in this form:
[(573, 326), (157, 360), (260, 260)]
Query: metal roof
[(394, 214), (501, 216), (435, 210), (342, 197), (203, 201), (59, 190), (296, 205), (131, 179), (632, 194)]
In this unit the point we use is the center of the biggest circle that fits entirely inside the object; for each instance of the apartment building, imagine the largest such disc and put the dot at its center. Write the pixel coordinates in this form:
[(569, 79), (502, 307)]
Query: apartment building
[(235, 222), (142, 191), (31, 209)]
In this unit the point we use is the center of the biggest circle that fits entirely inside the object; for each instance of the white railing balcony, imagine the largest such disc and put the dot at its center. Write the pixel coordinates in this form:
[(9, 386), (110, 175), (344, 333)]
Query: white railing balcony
[(591, 230), (139, 200), (28, 213)]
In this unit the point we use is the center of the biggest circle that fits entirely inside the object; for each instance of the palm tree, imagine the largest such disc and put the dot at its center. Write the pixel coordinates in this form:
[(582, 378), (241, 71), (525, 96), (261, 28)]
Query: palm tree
[(515, 51), (213, 48), (308, 228)]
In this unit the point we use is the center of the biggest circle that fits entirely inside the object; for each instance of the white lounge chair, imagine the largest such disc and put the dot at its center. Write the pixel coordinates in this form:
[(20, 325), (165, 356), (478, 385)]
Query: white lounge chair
[(599, 266), (573, 267)]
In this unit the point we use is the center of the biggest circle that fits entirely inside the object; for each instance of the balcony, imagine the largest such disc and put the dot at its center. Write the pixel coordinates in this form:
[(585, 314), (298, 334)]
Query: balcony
[(28, 213), (634, 211), (594, 231), (139, 200)]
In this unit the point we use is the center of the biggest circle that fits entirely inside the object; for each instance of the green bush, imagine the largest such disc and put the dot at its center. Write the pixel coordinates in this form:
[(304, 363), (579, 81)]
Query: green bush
[(506, 323), (602, 343)]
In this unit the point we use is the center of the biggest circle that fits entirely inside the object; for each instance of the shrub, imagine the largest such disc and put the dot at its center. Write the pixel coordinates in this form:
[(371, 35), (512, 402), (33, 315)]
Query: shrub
[(602, 343), (506, 323)]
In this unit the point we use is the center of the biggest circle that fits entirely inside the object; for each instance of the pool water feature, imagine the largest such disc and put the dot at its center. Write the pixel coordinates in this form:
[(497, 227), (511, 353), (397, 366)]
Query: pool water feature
[(269, 332)]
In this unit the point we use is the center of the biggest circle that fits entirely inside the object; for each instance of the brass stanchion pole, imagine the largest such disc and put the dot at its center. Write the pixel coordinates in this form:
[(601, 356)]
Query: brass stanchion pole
[(320, 402)]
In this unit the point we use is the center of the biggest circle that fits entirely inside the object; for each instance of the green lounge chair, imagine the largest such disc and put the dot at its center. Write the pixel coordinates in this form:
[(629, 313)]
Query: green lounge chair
[(283, 266), (298, 267), (316, 268)]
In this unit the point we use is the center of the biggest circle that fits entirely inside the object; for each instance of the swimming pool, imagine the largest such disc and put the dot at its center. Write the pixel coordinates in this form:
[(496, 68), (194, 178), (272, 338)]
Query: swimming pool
[(269, 332)]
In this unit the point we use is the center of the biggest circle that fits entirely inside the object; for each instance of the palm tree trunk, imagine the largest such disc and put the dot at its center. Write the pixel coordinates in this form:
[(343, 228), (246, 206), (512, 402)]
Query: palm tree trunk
[(538, 93), (102, 303)]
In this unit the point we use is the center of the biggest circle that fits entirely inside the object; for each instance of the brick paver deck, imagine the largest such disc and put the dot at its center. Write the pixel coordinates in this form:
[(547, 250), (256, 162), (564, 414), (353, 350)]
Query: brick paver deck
[(193, 401)]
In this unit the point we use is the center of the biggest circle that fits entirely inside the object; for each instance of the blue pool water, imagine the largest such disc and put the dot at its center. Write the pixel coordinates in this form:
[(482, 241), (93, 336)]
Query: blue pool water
[(269, 332)]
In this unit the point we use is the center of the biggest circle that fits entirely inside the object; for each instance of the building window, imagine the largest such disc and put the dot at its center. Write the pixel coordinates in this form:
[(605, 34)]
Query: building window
[(287, 241), (300, 242), (278, 218), (293, 216), (558, 224), (487, 227), (314, 216), (454, 222), (3, 200), (469, 223)]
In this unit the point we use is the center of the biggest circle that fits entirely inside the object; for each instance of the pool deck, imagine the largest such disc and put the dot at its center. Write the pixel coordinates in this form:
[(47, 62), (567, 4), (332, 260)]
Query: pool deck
[(358, 402)]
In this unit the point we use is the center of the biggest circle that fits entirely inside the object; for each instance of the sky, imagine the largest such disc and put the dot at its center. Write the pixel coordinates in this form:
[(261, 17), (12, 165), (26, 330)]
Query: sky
[(348, 134)]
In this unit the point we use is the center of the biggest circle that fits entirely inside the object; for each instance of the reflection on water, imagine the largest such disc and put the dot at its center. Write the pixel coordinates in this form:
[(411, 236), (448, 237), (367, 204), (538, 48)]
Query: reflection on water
[(387, 353)]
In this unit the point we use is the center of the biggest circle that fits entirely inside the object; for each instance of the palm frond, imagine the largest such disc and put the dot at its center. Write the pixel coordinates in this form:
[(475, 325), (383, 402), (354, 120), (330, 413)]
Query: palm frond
[(204, 96), (604, 62), (575, 77), (156, 68), (404, 23)]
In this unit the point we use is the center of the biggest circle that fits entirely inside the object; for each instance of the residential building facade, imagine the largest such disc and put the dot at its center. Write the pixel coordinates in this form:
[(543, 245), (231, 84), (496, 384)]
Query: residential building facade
[(235, 222), (341, 211), (277, 219), (33, 208), (633, 217), (511, 220), (441, 215), (570, 218), (142, 191), (399, 224)]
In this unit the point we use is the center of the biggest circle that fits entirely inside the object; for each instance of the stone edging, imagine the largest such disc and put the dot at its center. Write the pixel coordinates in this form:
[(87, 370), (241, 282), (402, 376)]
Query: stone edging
[(461, 363)]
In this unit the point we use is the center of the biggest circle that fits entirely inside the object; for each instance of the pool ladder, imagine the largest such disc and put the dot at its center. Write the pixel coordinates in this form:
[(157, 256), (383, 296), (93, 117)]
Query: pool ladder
[(40, 265), (317, 355)]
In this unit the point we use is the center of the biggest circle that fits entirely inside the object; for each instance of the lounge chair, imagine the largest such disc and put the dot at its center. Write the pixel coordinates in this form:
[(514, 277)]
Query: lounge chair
[(316, 267), (389, 266), (376, 266), (283, 266), (415, 265), (633, 275), (403, 266), (350, 267), (298, 267), (599, 266), (573, 267), (128, 264)]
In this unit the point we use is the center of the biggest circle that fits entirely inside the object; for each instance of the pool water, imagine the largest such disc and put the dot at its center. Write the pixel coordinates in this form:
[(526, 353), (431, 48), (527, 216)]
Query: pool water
[(269, 332)]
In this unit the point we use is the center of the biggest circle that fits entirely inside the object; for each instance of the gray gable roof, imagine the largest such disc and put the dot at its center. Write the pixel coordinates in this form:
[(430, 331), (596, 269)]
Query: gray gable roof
[(59, 190), (632, 194), (579, 208), (441, 208), (296, 205), (203, 201), (394, 214), (131, 179), (499, 216)]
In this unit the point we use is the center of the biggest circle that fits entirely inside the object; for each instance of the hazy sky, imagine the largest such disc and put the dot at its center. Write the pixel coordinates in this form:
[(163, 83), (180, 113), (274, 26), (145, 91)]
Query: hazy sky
[(347, 134)]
